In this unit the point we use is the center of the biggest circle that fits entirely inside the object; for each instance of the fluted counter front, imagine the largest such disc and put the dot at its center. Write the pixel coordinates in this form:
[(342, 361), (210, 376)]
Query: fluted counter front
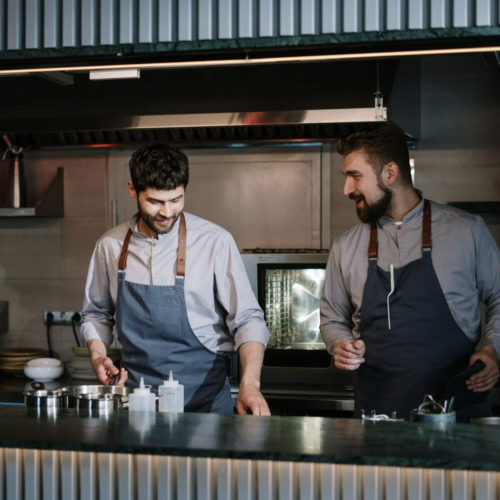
[(192, 456)]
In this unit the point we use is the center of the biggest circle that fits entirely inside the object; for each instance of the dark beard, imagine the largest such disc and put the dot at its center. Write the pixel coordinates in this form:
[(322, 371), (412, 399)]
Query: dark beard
[(372, 213), (150, 221)]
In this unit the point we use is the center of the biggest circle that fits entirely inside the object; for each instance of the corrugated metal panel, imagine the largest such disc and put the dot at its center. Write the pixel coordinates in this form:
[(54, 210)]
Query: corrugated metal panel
[(40, 24)]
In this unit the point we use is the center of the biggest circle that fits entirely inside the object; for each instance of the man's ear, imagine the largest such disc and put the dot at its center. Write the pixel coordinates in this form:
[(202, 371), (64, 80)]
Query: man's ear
[(131, 189), (391, 171)]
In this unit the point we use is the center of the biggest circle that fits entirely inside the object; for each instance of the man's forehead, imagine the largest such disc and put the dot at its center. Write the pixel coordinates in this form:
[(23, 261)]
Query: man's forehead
[(355, 161), (164, 194)]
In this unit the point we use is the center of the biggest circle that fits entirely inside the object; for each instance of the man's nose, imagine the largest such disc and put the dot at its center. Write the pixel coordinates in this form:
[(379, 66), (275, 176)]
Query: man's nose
[(348, 187), (167, 211)]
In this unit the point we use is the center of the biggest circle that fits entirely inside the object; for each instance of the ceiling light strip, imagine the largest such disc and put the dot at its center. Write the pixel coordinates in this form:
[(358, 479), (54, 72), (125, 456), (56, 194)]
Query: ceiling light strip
[(256, 61)]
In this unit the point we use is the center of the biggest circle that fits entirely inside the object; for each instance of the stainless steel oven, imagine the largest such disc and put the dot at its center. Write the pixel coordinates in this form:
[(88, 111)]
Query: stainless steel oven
[(288, 284)]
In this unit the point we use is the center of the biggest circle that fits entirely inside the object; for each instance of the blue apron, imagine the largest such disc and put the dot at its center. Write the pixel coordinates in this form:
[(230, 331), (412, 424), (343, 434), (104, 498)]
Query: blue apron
[(423, 350), (156, 336)]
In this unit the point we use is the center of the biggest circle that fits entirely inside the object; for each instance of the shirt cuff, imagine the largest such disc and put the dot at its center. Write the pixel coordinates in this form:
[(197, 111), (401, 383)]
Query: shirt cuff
[(255, 332), (89, 332)]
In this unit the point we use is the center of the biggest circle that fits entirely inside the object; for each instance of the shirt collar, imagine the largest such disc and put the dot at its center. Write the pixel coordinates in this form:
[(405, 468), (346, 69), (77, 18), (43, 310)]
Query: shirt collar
[(413, 214), (162, 238)]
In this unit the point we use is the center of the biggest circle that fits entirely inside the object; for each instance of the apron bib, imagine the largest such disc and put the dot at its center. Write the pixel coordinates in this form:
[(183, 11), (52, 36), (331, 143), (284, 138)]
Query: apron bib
[(156, 336), (424, 348)]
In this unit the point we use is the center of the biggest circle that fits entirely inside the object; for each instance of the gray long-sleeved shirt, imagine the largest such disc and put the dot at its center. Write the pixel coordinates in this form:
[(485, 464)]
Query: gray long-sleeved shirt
[(221, 306), (464, 254)]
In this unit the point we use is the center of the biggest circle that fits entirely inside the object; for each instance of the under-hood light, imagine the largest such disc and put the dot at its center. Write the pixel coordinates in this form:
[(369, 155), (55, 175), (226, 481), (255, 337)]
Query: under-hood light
[(115, 74), (248, 61)]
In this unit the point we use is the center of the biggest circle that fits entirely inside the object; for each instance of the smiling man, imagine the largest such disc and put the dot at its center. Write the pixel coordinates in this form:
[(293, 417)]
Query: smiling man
[(177, 289), (400, 302)]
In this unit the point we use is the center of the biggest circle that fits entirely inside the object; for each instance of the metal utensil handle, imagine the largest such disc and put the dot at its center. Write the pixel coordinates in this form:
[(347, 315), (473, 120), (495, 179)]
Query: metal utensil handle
[(429, 401), (38, 386)]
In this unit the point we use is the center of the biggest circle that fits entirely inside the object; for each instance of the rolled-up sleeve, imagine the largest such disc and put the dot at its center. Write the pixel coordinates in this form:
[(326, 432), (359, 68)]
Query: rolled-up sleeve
[(245, 318), (336, 307), (488, 281), (98, 306)]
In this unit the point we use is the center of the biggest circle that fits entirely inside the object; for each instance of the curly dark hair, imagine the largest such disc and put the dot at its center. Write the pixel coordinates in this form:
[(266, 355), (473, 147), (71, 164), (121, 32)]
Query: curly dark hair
[(381, 144), (159, 166)]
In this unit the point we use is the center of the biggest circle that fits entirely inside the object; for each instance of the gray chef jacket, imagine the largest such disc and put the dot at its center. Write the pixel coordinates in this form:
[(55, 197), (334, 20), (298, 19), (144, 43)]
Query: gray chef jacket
[(221, 306), (464, 254)]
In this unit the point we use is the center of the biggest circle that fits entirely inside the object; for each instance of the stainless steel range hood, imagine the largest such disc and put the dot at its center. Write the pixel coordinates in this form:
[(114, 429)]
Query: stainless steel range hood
[(204, 128)]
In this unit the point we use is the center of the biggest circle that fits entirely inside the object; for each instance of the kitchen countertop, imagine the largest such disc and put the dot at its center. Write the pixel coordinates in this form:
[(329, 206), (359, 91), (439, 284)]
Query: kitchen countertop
[(302, 439)]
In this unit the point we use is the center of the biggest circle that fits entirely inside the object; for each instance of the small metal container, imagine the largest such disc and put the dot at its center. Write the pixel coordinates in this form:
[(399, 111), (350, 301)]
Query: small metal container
[(48, 399), (119, 390), (485, 420), (435, 418), (98, 402)]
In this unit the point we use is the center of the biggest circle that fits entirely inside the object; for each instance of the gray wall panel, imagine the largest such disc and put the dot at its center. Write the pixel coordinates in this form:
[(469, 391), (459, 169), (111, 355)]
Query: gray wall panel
[(268, 16), (206, 19), (70, 26), (39, 24), (51, 23), (33, 19), (167, 20), (331, 16), (89, 22), (15, 24), (148, 17), (128, 21)]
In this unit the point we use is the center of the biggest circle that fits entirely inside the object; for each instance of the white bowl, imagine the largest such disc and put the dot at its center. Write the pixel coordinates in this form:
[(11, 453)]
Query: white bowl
[(43, 373), (44, 362)]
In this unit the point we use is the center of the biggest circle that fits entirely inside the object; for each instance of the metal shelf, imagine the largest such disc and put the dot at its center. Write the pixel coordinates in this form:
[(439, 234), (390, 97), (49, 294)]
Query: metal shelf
[(51, 204)]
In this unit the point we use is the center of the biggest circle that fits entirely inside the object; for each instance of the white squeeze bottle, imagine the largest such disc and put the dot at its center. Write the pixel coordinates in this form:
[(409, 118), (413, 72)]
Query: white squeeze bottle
[(142, 399), (171, 395)]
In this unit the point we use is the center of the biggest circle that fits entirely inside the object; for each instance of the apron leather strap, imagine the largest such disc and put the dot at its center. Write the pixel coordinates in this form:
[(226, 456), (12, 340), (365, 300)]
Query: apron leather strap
[(122, 263), (181, 251), (373, 247), (426, 233), (426, 227)]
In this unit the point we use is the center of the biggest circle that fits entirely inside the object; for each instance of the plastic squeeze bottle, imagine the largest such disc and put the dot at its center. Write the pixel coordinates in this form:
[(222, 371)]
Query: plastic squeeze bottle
[(142, 399), (171, 395)]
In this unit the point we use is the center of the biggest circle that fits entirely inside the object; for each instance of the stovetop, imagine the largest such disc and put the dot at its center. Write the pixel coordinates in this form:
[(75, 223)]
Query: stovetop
[(286, 250)]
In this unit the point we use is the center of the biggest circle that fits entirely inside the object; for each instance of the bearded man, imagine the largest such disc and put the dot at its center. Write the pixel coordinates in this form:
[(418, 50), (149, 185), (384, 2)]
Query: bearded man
[(400, 303)]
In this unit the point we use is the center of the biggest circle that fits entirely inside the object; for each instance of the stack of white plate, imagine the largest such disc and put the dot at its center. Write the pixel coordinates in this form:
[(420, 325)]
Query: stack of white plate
[(80, 366)]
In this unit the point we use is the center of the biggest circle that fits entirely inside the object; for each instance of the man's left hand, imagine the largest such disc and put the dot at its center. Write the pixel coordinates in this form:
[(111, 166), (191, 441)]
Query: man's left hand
[(487, 378), (250, 398)]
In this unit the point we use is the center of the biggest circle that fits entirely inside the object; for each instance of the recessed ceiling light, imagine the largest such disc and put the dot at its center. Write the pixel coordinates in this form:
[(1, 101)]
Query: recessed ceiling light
[(115, 74)]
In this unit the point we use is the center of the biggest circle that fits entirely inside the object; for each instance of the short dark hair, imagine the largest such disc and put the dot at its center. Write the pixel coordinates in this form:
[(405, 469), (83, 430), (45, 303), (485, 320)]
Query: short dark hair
[(159, 166), (382, 144)]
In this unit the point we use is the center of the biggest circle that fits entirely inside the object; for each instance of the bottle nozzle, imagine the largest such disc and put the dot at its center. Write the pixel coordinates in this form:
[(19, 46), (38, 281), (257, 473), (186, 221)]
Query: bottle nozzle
[(141, 385), (170, 376)]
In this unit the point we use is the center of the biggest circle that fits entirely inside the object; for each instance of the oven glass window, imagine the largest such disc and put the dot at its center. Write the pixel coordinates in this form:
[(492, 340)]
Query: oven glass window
[(292, 308)]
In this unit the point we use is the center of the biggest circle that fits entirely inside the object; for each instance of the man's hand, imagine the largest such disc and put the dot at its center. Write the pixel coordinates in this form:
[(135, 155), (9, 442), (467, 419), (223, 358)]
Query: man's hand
[(487, 378), (249, 396), (103, 366), (349, 354)]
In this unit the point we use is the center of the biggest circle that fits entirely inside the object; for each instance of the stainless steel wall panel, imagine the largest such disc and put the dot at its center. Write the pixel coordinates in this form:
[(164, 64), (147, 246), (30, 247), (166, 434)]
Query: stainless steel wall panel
[(308, 481), (266, 473), (438, 484), (186, 478), (268, 16), (247, 22), (416, 484), (287, 481), (106, 470), (15, 14), (227, 19), (125, 472), (109, 20), (167, 20), (331, 16), (206, 19), (485, 12), (485, 485), (393, 483), (352, 15), (148, 19), (440, 14), (50, 474), (88, 477), (128, 21), (187, 20), (89, 23), (70, 24), (51, 23), (13, 474), (395, 17), (418, 14), (146, 472), (206, 479), (33, 20), (69, 475), (350, 481), (372, 485), (288, 17), (374, 15), (309, 17), (226, 483), (247, 480), (166, 475)]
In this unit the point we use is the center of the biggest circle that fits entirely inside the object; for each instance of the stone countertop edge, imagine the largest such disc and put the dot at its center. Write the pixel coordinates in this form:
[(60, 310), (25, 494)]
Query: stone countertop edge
[(291, 439)]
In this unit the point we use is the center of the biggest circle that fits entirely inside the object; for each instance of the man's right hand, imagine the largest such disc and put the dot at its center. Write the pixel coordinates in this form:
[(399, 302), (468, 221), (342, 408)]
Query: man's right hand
[(105, 370), (349, 354)]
